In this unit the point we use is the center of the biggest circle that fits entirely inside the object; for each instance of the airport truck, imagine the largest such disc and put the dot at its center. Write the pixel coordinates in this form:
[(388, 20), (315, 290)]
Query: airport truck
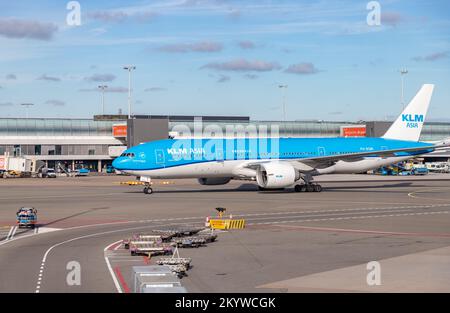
[(16, 165), (27, 217)]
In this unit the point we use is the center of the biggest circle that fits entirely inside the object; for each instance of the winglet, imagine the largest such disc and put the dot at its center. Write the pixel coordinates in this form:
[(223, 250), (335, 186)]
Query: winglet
[(408, 125)]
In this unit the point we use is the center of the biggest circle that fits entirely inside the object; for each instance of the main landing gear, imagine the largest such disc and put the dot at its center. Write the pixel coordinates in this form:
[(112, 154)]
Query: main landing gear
[(308, 188)]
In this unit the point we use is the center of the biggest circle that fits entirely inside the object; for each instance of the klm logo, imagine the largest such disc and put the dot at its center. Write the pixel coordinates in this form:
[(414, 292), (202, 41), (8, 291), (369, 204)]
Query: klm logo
[(412, 121)]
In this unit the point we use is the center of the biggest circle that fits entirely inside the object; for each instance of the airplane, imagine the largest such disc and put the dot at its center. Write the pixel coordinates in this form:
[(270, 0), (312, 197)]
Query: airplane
[(285, 163)]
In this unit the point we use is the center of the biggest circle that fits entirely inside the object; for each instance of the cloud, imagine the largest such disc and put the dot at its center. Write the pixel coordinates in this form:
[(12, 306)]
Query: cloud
[(28, 29), (246, 44), (57, 103), (154, 89), (101, 78), (242, 65), (109, 89), (6, 104), (302, 69), (49, 78), (11, 77), (122, 16), (432, 57), (204, 46), (223, 79), (391, 18)]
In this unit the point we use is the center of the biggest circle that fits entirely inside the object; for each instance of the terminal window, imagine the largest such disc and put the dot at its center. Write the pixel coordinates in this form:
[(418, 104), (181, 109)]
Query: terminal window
[(37, 150)]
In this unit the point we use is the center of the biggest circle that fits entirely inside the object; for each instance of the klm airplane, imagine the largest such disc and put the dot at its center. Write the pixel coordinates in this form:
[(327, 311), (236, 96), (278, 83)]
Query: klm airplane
[(280, 163)]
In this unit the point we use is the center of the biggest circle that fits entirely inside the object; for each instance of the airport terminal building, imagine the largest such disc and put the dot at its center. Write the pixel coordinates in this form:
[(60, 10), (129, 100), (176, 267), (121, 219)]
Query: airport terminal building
[(94, 143)]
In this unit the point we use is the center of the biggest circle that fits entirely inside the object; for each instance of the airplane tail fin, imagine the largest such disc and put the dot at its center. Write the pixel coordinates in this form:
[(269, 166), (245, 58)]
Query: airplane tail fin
[(408, 125)]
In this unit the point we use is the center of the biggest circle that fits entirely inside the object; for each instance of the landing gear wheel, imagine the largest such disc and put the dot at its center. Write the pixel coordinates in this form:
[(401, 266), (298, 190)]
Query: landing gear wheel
[(148, 190), (317, 188), (299, 188), (309, 188)]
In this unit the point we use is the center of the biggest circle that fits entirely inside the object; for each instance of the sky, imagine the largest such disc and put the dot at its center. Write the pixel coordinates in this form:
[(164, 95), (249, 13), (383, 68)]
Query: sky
[(224, 57)]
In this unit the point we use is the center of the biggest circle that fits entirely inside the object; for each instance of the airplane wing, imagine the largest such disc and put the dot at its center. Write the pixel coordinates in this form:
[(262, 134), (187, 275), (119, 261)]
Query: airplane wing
[(329, 160)]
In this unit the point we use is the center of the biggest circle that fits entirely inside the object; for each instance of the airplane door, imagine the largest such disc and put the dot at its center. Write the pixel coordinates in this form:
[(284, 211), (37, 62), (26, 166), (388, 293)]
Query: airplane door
[(321, 151), (159, 156)]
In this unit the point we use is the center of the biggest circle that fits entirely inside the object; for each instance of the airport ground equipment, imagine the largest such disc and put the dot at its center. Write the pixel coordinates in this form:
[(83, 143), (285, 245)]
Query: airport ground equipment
[(222, 223), (150, 249), (177, 264), (82, 172), (189, 242), (16, 166), (164, 290), (142, 239), (198, 240), (438, 167), (27, 217), (180, 231), (419, 171), (225, 224), (154, 277), (132, 183), (48, 173)]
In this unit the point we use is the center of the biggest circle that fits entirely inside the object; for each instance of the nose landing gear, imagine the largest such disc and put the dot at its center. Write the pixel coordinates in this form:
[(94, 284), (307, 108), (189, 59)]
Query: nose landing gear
[(148, 190)]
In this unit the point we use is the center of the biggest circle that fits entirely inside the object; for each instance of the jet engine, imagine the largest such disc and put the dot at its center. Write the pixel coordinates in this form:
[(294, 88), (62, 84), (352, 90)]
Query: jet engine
[(276, 175), (214, 181)]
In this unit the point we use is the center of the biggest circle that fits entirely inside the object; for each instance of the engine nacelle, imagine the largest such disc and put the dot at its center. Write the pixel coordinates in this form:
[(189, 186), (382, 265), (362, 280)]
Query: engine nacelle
[(214, 181), (276, 175)]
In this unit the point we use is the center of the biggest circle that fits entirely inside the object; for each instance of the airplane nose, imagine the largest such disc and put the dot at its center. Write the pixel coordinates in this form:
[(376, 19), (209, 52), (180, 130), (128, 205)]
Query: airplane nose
[(118, 164)]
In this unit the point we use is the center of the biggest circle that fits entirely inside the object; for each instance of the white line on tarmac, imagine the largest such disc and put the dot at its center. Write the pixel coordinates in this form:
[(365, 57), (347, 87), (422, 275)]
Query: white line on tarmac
[(350, 218), (44, 259), (108, 264), (328, 214), (69, 195), (10, 231)]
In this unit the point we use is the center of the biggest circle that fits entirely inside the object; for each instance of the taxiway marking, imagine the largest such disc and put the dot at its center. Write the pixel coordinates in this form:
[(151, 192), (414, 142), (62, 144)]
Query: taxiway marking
[(350, 218), (414, 193), (108, 264), (363, 231)]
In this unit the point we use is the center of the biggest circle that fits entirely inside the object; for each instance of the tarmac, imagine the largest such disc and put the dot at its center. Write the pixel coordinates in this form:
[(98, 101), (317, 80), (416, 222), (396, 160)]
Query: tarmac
[(293, 242)]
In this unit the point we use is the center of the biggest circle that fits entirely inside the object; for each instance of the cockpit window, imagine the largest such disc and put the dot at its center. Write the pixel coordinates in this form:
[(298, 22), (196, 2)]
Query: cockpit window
[(128, 155)]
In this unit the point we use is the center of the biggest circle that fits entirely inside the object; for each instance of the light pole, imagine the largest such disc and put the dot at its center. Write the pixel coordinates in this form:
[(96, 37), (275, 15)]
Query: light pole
[(103, 87), (27, 105), (403, 72), (284, 87), (129, 68)]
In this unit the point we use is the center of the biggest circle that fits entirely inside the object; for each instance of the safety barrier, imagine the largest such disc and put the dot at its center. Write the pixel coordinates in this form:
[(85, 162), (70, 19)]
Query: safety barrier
[(227, 224)]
